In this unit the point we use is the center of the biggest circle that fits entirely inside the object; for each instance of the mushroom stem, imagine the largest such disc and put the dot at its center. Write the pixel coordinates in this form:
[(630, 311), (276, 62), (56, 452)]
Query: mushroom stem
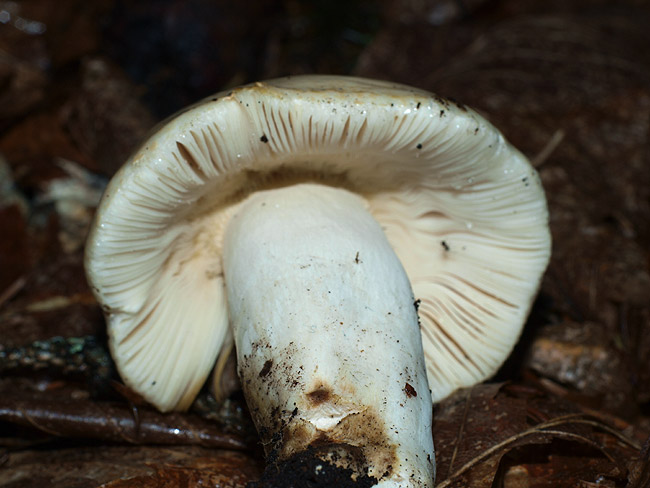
[(327, 335)]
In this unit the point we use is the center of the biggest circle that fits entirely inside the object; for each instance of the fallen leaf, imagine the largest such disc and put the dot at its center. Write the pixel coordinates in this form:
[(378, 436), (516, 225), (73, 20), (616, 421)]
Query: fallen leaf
[(482, 433), (89, 466)]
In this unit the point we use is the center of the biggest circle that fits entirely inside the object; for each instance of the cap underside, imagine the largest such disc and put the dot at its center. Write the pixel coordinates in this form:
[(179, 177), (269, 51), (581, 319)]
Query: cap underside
[(464, 211)]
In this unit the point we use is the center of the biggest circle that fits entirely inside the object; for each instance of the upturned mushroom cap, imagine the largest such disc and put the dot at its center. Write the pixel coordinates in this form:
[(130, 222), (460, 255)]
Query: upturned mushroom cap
[(464, 211)]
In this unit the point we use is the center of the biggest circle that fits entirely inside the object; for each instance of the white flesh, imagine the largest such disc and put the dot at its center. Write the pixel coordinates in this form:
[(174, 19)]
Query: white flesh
[(327, 335)]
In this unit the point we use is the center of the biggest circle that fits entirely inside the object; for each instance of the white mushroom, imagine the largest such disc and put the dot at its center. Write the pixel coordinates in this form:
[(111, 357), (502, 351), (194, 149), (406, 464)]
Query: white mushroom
[(308, 212)]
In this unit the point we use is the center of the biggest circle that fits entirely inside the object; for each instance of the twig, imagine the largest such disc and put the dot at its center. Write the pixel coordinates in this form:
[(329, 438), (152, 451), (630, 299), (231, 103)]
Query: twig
[(114, 422), (548, 149), (12, 290)]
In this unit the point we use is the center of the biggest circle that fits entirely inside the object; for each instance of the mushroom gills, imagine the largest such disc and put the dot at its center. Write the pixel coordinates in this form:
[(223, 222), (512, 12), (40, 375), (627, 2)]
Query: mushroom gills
[(327, 336)]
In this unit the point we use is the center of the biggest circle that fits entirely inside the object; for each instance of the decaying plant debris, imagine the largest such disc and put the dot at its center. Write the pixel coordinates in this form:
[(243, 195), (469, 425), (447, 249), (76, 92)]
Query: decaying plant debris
[(567, 82)]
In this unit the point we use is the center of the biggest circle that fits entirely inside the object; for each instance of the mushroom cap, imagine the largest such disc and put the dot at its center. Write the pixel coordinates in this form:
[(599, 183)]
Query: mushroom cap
[(464, 211)]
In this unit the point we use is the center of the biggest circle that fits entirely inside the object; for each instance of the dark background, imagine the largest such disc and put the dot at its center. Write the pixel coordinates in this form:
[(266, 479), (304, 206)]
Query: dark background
[(568, 82)]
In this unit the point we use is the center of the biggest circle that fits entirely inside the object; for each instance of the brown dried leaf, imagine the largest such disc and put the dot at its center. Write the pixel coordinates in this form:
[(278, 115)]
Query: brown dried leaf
[(90, 466), (206, 473), (105, 117), (483, 432), (640, 469), (576, 357)]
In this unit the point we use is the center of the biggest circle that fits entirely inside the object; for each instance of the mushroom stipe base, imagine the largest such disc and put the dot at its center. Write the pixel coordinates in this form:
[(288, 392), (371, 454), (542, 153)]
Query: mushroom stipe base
[(318, 467)]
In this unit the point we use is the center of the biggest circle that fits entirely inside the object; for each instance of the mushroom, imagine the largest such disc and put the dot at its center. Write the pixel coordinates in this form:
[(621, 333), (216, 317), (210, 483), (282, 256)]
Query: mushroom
[(301, 218)]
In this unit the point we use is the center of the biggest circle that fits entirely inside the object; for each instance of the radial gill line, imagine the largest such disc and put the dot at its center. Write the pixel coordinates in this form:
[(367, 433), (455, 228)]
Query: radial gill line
[(140, 323), (484, 292), (445, 340), (186, 155)]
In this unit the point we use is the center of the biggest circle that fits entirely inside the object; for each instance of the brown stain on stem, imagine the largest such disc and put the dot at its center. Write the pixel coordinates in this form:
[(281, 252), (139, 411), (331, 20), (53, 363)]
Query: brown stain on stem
[(319, 396), (287, 429), (410, 391), (266, 369), (362, 432)]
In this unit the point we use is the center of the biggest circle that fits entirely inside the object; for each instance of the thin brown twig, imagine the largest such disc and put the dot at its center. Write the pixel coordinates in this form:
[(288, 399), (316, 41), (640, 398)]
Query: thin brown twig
[(586, 419), (548, 149), (570, 435), (610, 430), (12, 290)]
